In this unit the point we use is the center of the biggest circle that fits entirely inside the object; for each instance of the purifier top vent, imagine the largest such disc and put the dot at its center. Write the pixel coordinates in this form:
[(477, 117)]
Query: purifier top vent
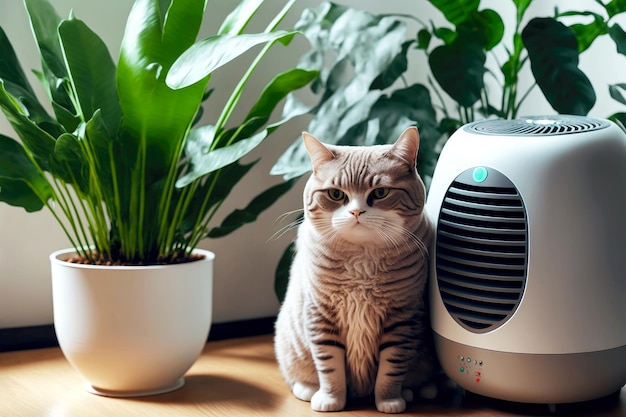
[(537, 126)]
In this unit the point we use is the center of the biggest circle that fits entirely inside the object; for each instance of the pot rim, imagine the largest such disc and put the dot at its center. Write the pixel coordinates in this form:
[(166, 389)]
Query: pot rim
[(58, 257)]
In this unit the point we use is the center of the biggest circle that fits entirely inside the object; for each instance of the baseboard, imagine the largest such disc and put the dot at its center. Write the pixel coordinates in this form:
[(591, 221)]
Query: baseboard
[(37, 337)]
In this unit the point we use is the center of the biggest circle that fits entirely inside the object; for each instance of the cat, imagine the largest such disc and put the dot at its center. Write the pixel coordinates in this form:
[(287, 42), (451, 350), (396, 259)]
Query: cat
[(354, 321)]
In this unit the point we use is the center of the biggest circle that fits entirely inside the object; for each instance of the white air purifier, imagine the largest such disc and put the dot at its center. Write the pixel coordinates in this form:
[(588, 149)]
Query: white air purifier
[(528, 274)]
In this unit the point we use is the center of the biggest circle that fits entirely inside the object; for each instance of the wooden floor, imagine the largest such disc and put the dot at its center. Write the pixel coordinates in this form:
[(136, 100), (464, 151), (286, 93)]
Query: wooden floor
[(232, 378)]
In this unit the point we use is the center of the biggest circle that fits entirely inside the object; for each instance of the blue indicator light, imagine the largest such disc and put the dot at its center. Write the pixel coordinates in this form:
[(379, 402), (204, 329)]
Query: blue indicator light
[(480, 174)]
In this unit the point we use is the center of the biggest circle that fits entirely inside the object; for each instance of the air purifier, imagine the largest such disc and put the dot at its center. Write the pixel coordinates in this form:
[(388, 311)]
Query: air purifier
[(528, 268)]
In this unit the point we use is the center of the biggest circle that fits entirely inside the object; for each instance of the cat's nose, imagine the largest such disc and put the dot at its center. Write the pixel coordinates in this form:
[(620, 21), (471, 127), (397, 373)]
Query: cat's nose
[(357, 213)]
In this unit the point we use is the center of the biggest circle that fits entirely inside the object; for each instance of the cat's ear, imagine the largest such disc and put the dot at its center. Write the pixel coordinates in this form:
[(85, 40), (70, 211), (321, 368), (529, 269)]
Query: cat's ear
[(317, 151), (406, 147)]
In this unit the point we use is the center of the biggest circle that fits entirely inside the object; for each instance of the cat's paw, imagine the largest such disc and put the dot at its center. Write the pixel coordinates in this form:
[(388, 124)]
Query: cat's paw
[(322, 401), (303, 392), (391, 405)]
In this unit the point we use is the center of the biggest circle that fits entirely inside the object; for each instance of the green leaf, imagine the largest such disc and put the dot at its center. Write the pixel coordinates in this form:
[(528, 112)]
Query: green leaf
[(68, 162), (92, 75), (486, 24), (619, 37), (38, 141), (553, 52), (397, 67), (216, 188), (281, 276), (17, 85), (204, 57), (423, 39), (21, 183), (615, 7), (205, 161), (520, 7), (275, 92), (619, 119), (238, 19), (10, 67), (615, 90), (587, 33), (459, 69), (44, 21), (251, 212), (456, 11), (155, 116)]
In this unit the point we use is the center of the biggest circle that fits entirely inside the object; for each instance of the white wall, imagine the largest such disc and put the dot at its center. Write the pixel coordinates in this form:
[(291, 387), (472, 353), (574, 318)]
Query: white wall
[(246, 259)]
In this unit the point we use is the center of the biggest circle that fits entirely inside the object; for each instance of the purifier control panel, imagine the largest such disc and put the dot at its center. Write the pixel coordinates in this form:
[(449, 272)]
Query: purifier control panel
[(471, 367)]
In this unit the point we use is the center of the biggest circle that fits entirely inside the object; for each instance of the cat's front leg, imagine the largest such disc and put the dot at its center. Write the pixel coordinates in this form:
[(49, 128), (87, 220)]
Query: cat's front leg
[(329, 357), (393, 366)]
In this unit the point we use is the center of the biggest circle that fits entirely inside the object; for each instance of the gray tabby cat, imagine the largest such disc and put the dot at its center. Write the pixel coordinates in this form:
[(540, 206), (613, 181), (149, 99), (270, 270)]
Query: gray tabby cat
[(354, 320)]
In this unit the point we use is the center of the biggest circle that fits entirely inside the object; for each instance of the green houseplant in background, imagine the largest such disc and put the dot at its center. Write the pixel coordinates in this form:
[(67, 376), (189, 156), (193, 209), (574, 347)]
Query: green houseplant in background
[(362, 96), (126, 172)]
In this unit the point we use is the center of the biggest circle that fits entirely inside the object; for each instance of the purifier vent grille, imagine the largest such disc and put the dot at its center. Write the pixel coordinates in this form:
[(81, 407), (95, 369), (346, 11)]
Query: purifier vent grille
[(481, 257), (537, 126)]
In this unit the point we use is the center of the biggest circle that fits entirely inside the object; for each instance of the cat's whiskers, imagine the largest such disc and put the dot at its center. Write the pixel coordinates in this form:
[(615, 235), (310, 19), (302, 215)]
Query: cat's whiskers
[(388, 230), (290, 226)]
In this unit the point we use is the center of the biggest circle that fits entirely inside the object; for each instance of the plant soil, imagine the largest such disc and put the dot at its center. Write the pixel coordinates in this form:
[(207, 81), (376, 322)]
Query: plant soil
[(97, 259)]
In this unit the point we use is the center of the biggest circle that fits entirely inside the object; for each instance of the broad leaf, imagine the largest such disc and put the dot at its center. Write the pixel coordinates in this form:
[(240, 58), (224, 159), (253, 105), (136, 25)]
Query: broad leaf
[(21, 183), (587, 33), (456, 11), (238, 19), (92, 75), (459, 69), (204, 57), (553, 52), (154, 115), (10, 67), (614, 7), (44, 22), (37, 140)]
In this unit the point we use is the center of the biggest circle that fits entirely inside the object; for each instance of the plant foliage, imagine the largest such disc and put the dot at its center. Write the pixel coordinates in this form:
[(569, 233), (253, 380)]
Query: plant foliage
[(362, 97), (120, 163)]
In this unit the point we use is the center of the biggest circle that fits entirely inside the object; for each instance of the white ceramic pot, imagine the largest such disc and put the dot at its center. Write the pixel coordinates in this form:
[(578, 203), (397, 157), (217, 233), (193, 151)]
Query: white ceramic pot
[(132, 330)]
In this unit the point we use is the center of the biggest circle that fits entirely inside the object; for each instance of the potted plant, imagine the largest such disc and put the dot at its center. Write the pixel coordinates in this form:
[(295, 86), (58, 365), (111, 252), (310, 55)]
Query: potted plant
[(131, 179)]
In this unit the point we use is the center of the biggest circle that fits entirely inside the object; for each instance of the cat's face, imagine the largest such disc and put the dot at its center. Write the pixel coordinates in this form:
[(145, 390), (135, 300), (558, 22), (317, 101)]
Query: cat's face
[(369, 195)]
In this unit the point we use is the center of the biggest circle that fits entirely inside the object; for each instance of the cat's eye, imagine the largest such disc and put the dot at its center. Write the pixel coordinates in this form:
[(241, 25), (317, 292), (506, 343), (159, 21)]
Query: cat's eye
[(336, 195), (379, 193)]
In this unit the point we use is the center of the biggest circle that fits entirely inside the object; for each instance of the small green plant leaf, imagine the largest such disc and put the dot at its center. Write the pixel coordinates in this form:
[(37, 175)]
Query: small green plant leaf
[(553, 52), (619, 37), (616, 91)]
